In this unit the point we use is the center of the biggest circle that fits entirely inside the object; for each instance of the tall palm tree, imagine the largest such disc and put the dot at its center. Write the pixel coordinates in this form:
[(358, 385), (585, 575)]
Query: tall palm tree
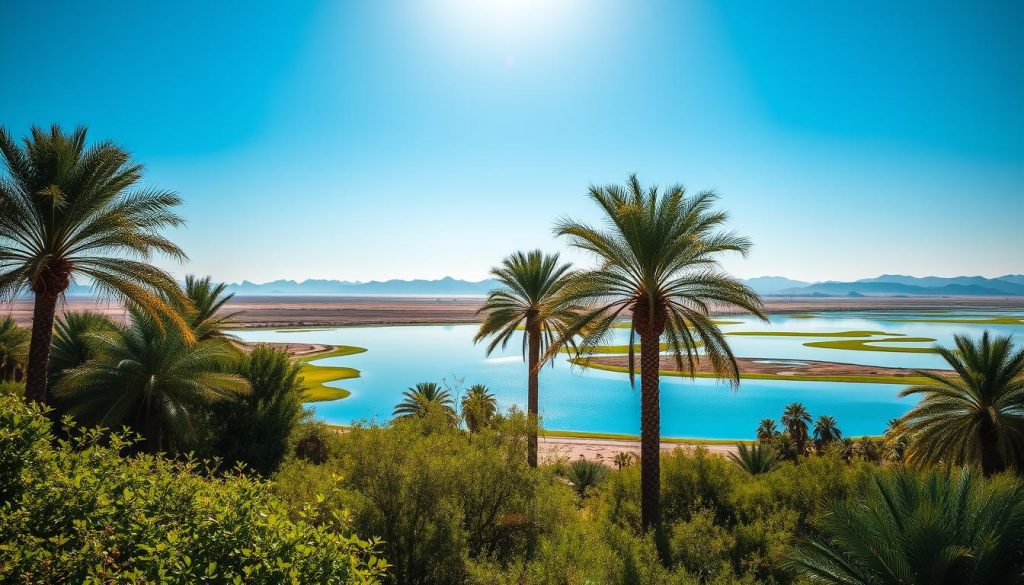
[(206, 301), (659, 262), (14, 342), (69, 210), (767, 430), (826, 431), (976, 415), (423, 397), (532, 296), (903, 527), (796, 418), (150, 377), (755, 459), (478, 407)]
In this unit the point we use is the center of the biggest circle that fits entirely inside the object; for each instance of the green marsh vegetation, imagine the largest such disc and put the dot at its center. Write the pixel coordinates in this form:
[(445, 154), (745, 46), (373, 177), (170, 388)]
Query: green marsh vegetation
[(317, 376), (870, 344)]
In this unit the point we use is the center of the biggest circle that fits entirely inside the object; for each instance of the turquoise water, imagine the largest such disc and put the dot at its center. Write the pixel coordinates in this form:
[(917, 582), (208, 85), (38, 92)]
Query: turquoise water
[(604, 402)]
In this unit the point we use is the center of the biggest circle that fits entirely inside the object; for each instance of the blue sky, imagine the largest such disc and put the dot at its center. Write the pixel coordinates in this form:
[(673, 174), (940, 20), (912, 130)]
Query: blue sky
[(419, 139)]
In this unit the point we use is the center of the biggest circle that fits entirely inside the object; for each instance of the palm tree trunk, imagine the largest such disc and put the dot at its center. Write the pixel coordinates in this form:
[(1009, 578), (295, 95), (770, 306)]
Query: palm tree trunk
[(650, 430), (533, 392), (991, 459), (39, 347)]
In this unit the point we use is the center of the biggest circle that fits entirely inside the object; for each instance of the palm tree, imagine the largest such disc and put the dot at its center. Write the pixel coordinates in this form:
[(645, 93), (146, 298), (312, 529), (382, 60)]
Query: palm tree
[(623, 459), (826, 431), (976, 415), (150, 377), (847, 449), (256, 428), (659, 263), (795, 418), (767, 430), (424, 397), (584, 475), (206, 302), (896, 441), (70, 346), (756, 459), (68, 211), (14, 342), (478, 407), (904, 527), (531, 297)]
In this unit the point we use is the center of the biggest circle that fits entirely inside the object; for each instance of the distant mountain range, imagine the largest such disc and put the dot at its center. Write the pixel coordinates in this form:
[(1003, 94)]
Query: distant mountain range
[(899, 285), (885, 285)]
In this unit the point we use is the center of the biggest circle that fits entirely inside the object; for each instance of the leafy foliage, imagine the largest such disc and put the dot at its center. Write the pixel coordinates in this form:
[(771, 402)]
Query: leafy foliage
[(77, 511), (936, 527), (151, 378), (255, 428), (13, 350), (975, 417), (755, 459), (584, 475), (423, 398), (479, 406), (204, 309)]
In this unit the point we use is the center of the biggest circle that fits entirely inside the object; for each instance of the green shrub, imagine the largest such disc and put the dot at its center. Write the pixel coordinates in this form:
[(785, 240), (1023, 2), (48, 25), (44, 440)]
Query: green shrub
[(437, 496), (255, 428), (77, 511)]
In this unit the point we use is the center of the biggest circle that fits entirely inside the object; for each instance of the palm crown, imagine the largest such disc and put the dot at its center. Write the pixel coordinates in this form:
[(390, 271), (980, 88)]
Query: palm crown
[(67, 211), (659, 258), (531, 294), (532, 297), (206, 302), (423, 397), (150, 377), (976, 415)]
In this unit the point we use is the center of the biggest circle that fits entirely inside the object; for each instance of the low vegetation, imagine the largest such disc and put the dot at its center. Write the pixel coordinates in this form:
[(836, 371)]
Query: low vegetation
[(317, 376), (871, 344)]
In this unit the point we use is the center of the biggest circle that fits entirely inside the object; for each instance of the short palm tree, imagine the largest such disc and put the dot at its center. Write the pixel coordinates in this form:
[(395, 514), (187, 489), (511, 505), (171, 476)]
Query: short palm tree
[(658, 257), (756, 459), (69, 210), (206, 302), (422, 398), (826, 431), (976, 415), (767, 430), (796, 418), (906, 527), (478, 407), (584, 476), (14, 342), (151, 378), (255, 429), (70, 347), (532, 297)]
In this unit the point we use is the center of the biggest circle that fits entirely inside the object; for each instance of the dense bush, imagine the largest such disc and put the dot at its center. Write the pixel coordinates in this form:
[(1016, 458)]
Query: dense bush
[(77, 511), (255, 428)]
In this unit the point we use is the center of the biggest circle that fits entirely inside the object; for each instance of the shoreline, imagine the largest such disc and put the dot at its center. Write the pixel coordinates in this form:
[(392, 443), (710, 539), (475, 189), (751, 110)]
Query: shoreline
[(311, 312)]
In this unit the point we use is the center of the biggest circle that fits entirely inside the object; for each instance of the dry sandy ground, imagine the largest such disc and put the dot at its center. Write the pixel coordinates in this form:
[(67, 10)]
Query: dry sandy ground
[(312, 311), (605, 450)]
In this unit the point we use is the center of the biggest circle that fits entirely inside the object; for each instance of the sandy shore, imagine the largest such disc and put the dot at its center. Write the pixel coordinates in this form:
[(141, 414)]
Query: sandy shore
[(320, 311), (604, 450)]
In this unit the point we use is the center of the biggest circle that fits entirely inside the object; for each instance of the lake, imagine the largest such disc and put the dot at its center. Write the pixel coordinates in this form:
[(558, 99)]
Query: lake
[(603, 402)]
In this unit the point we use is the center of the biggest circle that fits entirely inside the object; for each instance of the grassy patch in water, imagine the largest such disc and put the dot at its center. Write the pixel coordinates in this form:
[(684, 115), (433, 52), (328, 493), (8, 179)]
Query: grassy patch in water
[(869, 344), (814, 333), (905, 380), (316, 377)]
